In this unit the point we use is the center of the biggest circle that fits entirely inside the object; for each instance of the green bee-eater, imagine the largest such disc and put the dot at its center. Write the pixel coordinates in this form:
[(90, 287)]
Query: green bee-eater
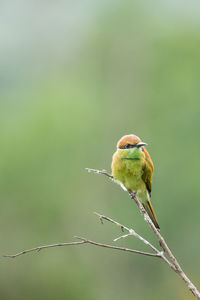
[(132, 165)]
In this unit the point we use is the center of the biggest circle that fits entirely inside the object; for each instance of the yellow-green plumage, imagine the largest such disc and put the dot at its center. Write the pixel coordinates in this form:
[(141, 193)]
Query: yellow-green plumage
[(132, 165)]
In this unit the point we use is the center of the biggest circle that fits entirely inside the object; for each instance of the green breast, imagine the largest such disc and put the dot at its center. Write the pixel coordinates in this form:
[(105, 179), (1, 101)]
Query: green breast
[(129, 170)]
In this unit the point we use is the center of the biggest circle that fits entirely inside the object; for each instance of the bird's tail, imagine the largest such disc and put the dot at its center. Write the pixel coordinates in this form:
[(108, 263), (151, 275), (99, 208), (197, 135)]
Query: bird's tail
[(149, 209)]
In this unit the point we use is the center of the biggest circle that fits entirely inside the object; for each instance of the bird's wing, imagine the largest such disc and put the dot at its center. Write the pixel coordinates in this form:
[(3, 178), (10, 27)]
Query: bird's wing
[(148, 171)]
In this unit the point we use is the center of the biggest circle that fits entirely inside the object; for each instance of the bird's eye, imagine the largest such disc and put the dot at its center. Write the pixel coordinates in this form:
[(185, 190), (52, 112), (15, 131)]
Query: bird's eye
[(127, 146)]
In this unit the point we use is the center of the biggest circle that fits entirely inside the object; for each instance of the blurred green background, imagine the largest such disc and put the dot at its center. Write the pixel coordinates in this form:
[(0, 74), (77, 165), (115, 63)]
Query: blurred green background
[(75, 77)]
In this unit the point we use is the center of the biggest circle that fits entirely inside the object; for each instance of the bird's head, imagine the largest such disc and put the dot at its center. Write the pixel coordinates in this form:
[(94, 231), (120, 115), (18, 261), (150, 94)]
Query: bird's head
[(130, 147)]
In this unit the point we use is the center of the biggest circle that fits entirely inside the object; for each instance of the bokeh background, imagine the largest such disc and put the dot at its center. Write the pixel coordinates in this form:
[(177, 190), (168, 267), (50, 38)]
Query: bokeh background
[(74, 77)]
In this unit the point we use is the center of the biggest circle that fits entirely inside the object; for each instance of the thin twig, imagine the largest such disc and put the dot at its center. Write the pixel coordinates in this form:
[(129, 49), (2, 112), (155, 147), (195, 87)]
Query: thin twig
[(119, 248), (135, 234), (37, 249), (174, 263), (83, 241), (130, 231), (121, 237), (104, 172)]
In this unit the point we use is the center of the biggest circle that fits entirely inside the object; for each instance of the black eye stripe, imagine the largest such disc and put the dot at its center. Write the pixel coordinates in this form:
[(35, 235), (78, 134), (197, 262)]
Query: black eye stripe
[(127, 146)]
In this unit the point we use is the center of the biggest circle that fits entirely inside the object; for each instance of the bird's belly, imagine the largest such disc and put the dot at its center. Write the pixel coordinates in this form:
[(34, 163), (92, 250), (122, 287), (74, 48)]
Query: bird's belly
[(130, 174)]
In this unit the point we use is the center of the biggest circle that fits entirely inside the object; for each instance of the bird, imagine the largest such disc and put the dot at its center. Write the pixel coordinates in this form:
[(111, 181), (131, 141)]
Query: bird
[(132, 166)]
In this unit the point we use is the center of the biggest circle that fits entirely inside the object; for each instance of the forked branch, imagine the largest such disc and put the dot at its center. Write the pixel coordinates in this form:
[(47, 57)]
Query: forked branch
[(170, 260), (82, 241), (173, 261)]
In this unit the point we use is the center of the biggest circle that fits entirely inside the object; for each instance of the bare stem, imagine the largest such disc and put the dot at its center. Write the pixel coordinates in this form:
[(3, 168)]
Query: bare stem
[(130, 231), (82, 241), (104, 172), (171, 262), (39, 248), (135, 234), (174, 263)]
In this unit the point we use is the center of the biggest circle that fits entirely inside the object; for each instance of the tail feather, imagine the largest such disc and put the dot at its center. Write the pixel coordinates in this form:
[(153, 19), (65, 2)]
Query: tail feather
[(149, 209)]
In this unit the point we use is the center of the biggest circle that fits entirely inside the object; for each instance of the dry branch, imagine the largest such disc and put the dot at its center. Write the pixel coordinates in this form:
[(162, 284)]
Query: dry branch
[(83, 241), (133, 233), (171, 261), (174, 263)]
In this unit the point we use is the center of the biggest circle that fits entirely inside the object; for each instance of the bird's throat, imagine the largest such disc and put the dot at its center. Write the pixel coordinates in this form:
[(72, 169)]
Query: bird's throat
[(131, 154)]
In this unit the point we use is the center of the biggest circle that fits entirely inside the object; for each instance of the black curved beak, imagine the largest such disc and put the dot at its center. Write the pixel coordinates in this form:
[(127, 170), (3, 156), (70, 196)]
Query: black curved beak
[(140, 144)]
